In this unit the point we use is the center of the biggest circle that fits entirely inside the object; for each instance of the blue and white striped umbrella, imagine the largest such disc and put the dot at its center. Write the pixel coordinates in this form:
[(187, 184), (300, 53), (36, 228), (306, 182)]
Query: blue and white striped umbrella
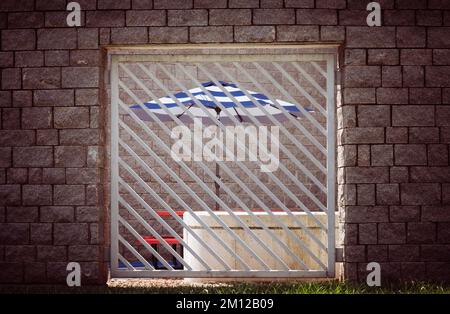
[(187, 103)]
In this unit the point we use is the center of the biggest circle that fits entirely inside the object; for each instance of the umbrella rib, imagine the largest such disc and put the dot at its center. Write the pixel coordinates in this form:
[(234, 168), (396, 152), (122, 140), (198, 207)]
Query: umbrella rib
[(178, 116), (240, 117), (273, 106)]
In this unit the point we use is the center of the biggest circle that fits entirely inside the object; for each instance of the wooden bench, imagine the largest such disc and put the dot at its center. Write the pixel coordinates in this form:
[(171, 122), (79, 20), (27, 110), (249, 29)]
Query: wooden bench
[(169, 240)]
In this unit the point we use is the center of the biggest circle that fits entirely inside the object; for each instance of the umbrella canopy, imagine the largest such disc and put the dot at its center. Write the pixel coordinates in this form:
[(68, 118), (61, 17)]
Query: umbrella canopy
[(186, 102)]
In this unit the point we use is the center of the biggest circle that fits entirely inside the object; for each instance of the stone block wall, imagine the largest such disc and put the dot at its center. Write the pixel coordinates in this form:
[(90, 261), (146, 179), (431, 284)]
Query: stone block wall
[(393, 137)]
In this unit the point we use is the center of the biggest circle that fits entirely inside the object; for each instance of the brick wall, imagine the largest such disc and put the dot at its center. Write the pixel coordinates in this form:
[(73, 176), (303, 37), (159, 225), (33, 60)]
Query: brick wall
[(394, 128), (394, 136)]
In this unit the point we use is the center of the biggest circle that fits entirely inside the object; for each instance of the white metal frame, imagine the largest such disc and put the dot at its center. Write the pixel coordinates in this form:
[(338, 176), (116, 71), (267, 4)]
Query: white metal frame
[(236, 55)]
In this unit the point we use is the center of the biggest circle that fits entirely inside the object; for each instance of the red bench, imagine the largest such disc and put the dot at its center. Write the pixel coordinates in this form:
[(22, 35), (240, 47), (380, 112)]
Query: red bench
[(169, 240)]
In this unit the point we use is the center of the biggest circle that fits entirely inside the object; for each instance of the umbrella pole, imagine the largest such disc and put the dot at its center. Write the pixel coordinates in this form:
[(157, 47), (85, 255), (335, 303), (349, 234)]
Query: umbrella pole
[(217, 167), (217, 186)]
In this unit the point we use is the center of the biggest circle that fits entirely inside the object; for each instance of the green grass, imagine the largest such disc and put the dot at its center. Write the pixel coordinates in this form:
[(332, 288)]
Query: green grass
[(243, 288)]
